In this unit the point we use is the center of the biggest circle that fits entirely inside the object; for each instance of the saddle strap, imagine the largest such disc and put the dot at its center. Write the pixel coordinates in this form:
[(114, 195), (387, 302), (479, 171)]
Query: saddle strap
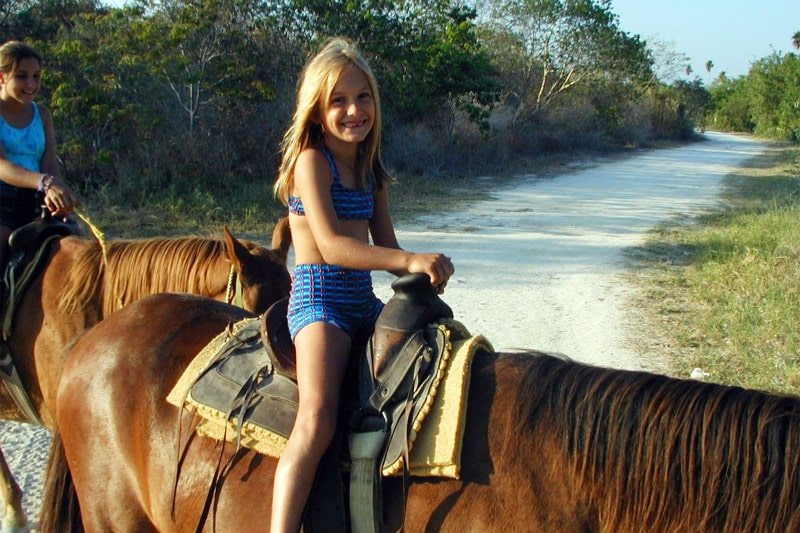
[(365, 487), (415, 351)]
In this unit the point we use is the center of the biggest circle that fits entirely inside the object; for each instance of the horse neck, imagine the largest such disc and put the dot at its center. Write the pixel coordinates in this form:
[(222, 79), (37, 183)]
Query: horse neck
[(76, 269), (638, 448), (139, 268)]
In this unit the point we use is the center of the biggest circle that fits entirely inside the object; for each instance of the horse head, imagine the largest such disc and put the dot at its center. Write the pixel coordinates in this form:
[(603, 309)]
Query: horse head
[(261, 273)]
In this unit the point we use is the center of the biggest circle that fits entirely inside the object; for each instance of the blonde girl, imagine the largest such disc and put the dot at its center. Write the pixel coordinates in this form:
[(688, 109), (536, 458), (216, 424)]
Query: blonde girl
[(335, 186), (29, 171)]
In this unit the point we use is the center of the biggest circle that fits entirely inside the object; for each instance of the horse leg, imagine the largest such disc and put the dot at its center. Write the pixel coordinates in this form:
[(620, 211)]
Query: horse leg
[(11, 496)]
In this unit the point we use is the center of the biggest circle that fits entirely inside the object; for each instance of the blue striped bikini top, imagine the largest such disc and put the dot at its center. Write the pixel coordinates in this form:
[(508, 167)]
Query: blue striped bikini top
[(350, 204)]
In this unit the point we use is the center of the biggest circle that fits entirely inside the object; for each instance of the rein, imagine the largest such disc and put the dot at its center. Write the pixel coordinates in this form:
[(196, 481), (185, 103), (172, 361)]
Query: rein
[(99, 235), (101, 240), (235, 293)]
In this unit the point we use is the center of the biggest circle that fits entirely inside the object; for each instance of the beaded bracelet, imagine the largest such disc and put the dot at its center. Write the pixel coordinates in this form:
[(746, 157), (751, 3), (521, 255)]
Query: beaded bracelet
[(44, 183)]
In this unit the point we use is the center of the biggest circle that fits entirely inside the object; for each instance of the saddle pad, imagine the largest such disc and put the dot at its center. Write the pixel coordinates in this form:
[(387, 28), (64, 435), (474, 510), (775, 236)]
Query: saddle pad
[(214, 423), (437, 441), (437, 447)]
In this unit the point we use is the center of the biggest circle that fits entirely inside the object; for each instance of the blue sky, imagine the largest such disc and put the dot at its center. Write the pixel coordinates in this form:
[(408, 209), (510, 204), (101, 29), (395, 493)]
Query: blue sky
[(730, 33)]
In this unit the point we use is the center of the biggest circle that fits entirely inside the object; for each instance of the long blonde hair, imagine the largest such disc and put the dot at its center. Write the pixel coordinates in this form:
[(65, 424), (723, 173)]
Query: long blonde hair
[(317, 80)]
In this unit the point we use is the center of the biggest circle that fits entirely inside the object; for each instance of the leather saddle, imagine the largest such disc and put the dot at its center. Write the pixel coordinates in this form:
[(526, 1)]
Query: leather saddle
[(27, 247), (253, 380), (29, 237)]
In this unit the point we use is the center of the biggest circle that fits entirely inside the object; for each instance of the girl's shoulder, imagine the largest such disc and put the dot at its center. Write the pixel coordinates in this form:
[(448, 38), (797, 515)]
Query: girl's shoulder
[(312, 164), (311, 152)]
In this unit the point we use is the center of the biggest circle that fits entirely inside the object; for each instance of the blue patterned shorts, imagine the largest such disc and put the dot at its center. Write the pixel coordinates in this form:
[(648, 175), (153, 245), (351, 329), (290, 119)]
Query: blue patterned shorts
[(335, 295)]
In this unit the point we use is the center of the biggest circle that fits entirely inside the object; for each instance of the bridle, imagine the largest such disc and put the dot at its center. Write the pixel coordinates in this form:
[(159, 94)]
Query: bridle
[(234, 294)]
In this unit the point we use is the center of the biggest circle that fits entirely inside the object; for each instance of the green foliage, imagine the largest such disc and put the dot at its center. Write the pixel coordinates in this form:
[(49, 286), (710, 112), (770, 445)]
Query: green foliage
[(190, 98), (204, 51), (694, 99), (775, 96), (40, 20), (766, 101), (97, 81), (729, 106), (555, 46), (425, 53)]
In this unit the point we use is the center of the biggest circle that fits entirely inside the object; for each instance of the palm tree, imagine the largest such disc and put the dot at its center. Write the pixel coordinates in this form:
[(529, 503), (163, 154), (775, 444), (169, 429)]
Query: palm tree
[(709, 66), (796, 40)]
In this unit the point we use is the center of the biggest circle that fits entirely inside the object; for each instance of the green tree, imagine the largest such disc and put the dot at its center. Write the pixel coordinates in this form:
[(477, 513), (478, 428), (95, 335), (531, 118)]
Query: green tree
[(555, 46), (773, 86), (40, 20), (426, 53), (730, 105), (202, 48), (694, 99), (100, 91)]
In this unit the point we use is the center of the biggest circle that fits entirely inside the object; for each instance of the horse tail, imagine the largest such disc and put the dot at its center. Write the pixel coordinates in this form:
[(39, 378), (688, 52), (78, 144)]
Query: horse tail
[(61, 512), (282, 236)]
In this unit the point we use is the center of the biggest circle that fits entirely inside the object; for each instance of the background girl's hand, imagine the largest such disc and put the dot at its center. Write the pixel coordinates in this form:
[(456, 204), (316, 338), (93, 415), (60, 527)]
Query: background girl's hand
[(59, 198), (438, 267)]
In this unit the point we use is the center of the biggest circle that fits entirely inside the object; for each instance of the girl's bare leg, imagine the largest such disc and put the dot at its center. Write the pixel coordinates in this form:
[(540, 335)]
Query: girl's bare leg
[(322, 355)]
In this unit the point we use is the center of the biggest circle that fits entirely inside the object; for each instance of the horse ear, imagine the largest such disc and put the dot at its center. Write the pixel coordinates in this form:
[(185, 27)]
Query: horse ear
[(282, 237), (237, 253)]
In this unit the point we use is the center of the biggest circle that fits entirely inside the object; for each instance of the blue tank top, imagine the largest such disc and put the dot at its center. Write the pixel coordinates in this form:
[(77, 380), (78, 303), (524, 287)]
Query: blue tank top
[(350, 204), (24, 146)]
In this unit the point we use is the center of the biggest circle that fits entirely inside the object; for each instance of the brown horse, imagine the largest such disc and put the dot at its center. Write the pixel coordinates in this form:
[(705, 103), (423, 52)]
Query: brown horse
[(550, 445), (78, 288)]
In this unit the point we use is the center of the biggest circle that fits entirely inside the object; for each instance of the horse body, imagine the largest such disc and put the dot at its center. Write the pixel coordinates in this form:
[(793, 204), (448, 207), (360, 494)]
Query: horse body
[(77, 289), (550, 445), (130, 437)]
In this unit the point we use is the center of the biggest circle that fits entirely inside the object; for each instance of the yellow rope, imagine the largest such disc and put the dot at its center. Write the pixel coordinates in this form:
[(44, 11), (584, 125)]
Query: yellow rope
[(101, 240), (231, 288), (99, 235)]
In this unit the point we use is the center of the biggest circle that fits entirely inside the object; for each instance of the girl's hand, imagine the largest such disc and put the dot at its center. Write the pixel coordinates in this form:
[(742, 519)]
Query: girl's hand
[(438, 267), (59, 198)]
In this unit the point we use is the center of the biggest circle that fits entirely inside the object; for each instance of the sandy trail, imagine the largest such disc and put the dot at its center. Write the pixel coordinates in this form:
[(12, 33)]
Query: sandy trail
[(538, 266)]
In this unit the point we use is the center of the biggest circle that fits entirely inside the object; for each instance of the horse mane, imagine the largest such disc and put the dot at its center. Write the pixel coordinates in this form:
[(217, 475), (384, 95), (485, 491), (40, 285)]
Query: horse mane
[(137, 268), (661, 454)]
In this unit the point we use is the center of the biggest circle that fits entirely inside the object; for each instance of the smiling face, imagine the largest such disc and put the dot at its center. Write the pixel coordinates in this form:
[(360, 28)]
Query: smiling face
[(23, 84), (349, 114)]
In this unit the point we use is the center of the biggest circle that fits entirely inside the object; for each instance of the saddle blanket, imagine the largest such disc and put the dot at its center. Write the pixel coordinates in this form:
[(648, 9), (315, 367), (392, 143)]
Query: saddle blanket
[(436, 450)]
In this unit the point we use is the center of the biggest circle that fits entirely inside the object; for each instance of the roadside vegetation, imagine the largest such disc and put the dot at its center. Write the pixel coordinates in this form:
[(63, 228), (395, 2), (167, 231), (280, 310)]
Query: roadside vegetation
[(170, 112), (722, 292)]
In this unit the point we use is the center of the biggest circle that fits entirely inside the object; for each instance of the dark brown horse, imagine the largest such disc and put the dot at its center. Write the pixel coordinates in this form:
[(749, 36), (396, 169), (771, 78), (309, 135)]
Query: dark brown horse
[(78, 288), (550, 445)]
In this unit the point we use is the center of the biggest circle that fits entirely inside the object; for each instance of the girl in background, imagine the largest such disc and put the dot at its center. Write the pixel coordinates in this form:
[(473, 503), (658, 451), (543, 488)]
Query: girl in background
[(29, 171), (333, 180)]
